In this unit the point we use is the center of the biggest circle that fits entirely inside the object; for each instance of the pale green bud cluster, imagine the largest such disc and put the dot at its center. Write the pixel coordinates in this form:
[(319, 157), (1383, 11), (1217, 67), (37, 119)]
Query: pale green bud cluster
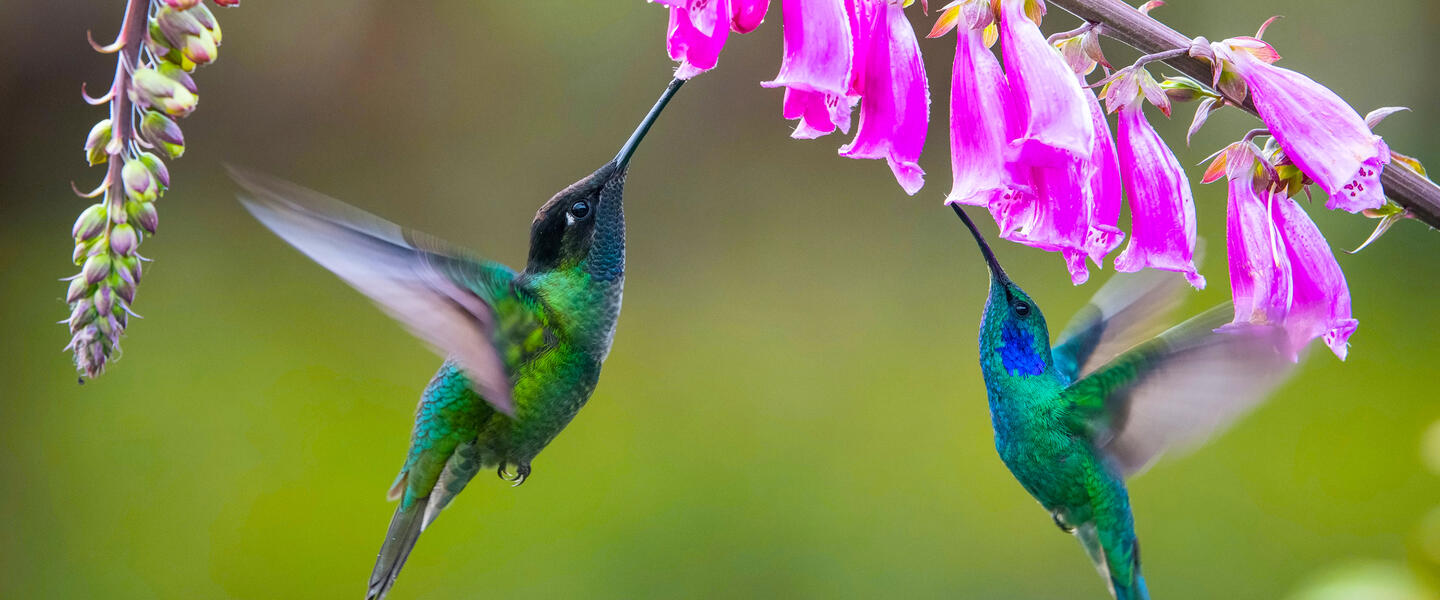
[(152, 89)]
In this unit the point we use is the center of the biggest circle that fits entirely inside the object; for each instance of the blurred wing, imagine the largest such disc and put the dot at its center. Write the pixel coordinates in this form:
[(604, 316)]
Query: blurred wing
[(465, 307), (1177, 389), (1128, 309)]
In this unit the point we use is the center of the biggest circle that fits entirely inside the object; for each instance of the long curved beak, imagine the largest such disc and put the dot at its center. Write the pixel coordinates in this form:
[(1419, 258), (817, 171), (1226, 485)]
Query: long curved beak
[(623, 158), (995, 269)]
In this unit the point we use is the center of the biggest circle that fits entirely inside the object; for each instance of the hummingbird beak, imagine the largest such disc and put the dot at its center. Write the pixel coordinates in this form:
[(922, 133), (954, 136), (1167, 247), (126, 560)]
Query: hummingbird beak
[(995, 269), (623, 158)]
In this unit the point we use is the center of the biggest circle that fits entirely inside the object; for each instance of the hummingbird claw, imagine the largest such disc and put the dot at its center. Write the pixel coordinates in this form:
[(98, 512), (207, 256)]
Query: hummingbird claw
[(1061, 524), (504, 474), (522, 472)]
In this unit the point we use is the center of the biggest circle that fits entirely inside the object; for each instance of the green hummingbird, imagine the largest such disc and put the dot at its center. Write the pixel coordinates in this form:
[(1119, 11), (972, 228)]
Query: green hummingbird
[(1073, 421), (524, 350)]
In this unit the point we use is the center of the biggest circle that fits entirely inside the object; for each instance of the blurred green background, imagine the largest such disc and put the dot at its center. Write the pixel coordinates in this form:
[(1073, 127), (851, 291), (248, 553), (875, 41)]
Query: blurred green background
[(792, 407)]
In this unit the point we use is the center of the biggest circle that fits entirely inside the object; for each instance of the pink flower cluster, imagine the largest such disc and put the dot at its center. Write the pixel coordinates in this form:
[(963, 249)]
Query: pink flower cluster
[(1031, 143), (838, 54)]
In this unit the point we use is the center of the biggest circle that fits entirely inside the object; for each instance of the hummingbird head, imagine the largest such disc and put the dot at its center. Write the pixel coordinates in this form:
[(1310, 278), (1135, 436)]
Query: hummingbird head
[(584, 224), (1014, 339)]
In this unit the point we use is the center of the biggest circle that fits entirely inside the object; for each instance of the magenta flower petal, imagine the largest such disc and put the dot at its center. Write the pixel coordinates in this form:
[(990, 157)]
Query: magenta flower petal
[(1056, 219), (1322, 134), (1260, 273), (816, 67), (1161, 208), (977, 122), (1103, 195), (746, 15), (697, 33), (1050, 102), (1321, 303), (895, 99)]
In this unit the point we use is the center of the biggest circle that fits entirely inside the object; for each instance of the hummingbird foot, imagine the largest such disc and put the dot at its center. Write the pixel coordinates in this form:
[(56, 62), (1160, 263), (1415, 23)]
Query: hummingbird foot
[(1061, 524), (522, 472)]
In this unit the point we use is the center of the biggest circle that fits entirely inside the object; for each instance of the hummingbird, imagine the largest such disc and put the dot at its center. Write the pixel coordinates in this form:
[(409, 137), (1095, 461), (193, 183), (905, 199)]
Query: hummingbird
[(1072, 422), (523, 349)]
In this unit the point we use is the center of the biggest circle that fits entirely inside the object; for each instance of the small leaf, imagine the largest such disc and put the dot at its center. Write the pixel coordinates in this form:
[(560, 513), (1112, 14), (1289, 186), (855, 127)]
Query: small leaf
[(1202, 114), (1409, 163), (1386, 222), (1379, 114)]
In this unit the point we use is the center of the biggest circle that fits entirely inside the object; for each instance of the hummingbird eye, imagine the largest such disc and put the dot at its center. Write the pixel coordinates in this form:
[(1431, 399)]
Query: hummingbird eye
[(1021, 308), (580, 210)]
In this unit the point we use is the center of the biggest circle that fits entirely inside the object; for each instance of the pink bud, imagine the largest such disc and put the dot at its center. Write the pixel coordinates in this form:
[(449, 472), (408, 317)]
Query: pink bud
[(96, 268)]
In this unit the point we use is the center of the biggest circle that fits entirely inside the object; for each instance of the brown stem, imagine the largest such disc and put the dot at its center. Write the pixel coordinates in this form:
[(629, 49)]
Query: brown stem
[(1123, 22)]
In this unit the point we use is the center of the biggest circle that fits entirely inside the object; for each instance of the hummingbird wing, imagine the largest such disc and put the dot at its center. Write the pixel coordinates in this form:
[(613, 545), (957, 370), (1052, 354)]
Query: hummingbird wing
[(467, 308), (1128, 309), (1174, 390)]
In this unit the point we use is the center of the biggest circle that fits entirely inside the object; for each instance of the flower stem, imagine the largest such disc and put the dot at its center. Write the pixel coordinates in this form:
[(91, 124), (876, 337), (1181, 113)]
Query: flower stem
[(1126, 24), (131, 40)]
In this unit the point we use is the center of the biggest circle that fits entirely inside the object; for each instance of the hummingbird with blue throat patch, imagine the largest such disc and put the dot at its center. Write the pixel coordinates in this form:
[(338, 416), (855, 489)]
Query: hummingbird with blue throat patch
[(1072, 422), (523, 350)]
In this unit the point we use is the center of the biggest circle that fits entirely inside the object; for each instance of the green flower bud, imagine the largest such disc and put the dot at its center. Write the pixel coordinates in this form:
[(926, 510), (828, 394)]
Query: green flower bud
[(207, 20), (82, 250), (152, 89), (200, 48), (78, 289), (104, 301), (1185, 89), (128, 267), (139, 185), (175, 25), (157, 169), (126, 291), (81, 315), (179, 75), (96, 268), (90, 223), (123, 239), (164, 133), (143, 214), (96, 142)]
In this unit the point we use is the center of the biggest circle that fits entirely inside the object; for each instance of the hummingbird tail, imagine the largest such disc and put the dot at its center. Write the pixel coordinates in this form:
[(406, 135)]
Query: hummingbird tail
[(1117, 558), (404, 530)]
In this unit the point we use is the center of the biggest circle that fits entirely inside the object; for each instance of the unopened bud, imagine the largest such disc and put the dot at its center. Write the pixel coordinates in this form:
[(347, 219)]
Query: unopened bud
[(81, 315), (124, 239), (164, 133), (176, 25), (96, 142), (96, 268), (144, 215), (104, 300), (78, 289), (200, 48), (181, 4), (126, 291), (128, 267), (152, 89), (90, 223), (207, 20), (157, 169), (178, 74), (139, 185), (1185, 89)]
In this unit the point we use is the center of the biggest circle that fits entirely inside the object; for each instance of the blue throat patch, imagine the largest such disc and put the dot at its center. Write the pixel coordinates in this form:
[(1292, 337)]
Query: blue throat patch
[(1017, 351)]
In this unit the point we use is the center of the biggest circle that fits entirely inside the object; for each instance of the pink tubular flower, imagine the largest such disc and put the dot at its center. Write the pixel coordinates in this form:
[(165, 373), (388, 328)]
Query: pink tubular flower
[(1318, 131), (1162, 210), (977, 122), (1320, 306), (1050, 102), (1261, 282), (698, 30), (1055, 219), (1103, 195), (817, 65), (895, 95)]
